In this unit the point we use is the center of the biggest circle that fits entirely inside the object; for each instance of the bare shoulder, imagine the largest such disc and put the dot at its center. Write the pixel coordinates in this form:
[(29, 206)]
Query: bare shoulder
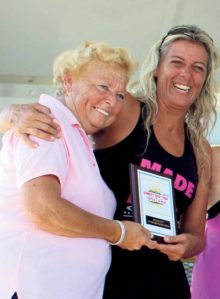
[(208, 148), (216, 163), (216, 153)]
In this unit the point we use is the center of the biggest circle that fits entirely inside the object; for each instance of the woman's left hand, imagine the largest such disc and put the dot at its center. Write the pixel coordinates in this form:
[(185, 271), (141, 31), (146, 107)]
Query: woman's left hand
[(180, 246)]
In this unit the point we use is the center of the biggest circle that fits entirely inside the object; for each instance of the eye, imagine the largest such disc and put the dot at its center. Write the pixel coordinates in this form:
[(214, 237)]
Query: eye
[(102, 87), (120, 96), (177, 62), (199, 68)]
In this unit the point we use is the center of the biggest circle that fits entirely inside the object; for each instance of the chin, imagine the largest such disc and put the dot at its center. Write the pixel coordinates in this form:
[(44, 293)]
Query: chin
[(94, 130)]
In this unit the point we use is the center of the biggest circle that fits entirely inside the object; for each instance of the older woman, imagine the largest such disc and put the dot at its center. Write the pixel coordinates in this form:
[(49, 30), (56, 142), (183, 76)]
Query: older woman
[(55, 209), (177, 91)]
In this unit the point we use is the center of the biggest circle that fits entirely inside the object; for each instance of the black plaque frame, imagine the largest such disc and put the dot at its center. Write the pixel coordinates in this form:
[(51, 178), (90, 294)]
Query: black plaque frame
[(153, 207)]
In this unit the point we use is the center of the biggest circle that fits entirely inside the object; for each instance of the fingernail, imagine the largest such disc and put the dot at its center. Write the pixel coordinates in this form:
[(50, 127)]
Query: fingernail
[(55, 121)]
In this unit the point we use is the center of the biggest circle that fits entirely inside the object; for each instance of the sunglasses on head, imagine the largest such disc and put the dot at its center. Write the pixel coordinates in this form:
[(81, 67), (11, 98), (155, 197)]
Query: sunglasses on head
[(189, 31)]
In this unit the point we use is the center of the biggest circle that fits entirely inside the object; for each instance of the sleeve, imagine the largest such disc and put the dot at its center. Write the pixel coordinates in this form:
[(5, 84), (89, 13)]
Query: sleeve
[(49, 158)]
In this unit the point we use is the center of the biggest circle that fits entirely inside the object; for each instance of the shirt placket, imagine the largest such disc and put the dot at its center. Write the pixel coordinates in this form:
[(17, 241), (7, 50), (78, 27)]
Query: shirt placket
[(88, 145)]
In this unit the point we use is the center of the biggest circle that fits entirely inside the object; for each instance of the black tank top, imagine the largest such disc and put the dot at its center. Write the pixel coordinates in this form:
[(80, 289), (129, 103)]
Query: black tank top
[(146, 273), (114, 161), (214, 210)]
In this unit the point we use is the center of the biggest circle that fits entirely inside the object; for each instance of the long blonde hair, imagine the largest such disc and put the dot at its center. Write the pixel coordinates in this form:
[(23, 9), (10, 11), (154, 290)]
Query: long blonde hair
[(201, 116)]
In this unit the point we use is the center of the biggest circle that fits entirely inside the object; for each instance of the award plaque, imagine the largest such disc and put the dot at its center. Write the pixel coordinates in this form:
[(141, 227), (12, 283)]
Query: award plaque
[(153, 201)]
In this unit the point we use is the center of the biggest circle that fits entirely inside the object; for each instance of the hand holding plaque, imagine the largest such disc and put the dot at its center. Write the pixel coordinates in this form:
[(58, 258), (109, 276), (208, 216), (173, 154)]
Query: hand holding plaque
[(153, 201)]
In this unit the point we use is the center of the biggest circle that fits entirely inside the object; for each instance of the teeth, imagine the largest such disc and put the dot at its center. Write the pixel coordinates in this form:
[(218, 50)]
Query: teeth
[(102, 111), (182, 87)]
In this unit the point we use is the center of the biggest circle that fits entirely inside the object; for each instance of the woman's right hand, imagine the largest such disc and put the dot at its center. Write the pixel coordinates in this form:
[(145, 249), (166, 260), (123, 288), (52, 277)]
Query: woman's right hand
[(136, 237), (33, 119)]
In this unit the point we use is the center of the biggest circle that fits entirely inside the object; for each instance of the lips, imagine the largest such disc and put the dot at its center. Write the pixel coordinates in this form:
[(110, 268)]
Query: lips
[(182, 87), (102, 111)]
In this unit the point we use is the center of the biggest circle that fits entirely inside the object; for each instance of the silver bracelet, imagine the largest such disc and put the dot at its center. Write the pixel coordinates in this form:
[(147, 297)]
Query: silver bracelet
[(123, 233)]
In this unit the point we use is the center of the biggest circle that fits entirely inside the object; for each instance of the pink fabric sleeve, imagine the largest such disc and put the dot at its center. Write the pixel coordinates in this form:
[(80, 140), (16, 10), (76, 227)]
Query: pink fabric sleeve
[(48, 158)]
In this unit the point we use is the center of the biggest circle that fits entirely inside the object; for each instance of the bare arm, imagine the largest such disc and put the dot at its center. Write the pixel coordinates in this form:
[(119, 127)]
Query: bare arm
[(191, 241), (51, 213), (29, 119)]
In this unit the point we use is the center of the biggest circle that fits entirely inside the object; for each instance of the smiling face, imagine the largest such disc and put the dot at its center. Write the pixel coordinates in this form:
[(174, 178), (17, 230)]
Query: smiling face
[(97, 95), (181, 74)]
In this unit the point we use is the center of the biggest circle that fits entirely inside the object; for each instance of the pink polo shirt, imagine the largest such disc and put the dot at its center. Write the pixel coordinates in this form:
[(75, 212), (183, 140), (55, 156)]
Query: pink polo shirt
[(35, 263)]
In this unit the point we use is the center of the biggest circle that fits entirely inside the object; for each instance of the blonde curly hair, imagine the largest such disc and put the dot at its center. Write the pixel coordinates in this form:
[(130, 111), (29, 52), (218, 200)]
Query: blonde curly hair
[(201, 116), (74, 61)]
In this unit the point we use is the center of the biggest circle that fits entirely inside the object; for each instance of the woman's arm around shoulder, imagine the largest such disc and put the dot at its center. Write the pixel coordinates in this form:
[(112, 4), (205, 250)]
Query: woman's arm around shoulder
[(29, 119)]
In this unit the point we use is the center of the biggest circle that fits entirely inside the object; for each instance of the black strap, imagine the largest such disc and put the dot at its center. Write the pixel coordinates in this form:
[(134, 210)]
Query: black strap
[(214, 210)]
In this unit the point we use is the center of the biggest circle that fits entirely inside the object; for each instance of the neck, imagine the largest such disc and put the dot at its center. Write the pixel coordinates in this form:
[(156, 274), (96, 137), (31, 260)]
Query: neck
[(169, 131), (169, 120)]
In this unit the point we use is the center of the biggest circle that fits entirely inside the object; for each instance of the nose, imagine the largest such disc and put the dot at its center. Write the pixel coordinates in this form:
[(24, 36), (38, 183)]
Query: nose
[(111, 99), (186, 71)]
